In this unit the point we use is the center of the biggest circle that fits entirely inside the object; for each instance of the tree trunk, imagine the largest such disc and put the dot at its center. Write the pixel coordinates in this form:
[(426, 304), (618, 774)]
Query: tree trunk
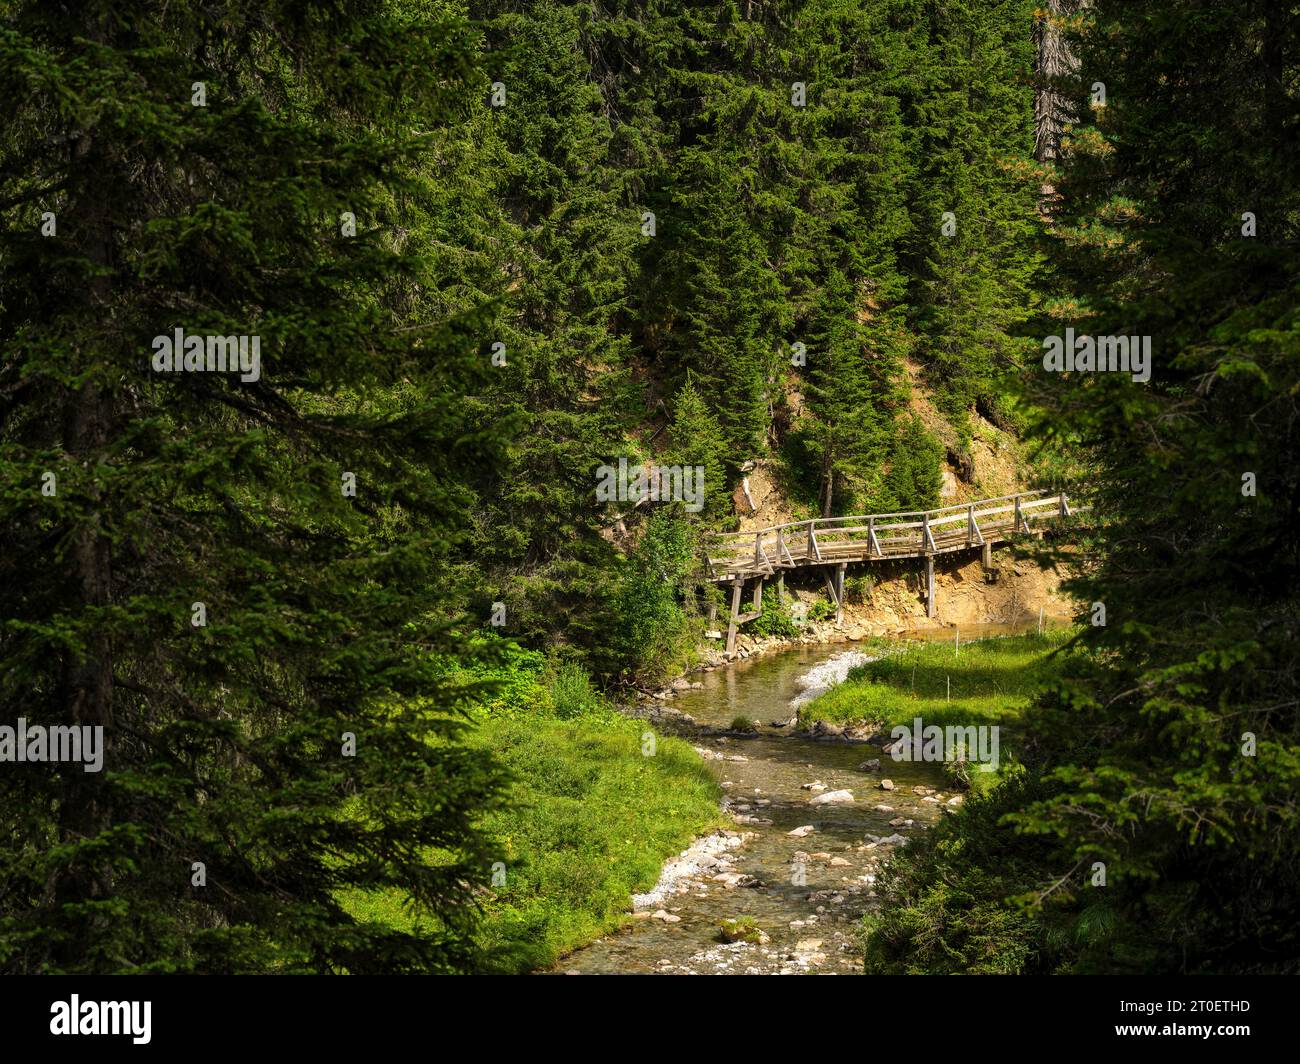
[(87, 678)]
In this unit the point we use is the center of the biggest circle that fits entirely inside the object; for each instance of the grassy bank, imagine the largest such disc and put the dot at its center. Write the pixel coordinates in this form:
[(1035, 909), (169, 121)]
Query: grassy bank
[(592, 814), (984, 682)]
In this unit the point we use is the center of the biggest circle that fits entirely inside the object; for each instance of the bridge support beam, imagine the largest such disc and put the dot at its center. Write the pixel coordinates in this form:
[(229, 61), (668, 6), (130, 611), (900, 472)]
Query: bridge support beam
[(929, 586), (839, 592), (737, 587), (988, 557)]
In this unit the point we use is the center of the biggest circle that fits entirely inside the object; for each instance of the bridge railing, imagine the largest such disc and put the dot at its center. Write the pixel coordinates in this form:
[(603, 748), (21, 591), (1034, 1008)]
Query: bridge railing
[(907, 534)]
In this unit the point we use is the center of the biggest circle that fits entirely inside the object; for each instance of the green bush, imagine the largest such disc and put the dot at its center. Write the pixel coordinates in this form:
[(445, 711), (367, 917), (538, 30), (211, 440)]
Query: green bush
[(775, 620), (654, 638), (821, 610), (572, 694)]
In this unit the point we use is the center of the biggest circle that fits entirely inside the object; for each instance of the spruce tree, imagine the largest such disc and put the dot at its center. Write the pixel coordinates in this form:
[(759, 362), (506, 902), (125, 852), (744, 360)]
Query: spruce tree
[(241, 578)]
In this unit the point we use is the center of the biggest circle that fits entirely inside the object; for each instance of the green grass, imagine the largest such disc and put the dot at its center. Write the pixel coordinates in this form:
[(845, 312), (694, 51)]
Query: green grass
[(593, 823), (590, 821), (987, 682)]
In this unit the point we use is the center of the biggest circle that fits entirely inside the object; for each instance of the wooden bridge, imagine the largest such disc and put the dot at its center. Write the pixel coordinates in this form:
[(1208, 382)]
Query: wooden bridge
[(834, 542)]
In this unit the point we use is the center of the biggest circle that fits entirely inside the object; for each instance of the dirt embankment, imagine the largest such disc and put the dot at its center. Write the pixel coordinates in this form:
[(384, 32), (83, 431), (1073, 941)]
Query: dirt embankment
[(890, 601)]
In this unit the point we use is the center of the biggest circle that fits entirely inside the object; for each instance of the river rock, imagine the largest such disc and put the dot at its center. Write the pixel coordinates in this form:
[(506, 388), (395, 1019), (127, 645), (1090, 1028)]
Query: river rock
[(894, 840), (886, 785), (816, 785), (921, 792), (897, 822), (931, 799), (955, 800), (801, 832), (870, 766), (839, 862), (666, 917), (833, 798), (743, 929), (884, 809), (823, 730)]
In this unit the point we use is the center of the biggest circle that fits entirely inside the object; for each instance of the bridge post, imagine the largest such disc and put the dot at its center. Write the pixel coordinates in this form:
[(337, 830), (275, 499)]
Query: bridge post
[(929, 585), (758, 596), (1065, 506), (1020, 520), (988, 558), (780, 587), (839, 593), (737, 586)]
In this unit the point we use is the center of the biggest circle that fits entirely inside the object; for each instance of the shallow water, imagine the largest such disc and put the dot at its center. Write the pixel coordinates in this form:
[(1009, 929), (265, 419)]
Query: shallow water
[(808, 894)]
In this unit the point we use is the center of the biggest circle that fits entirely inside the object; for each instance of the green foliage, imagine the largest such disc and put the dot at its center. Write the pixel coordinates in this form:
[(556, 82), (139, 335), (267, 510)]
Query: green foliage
[(741, 929), (973, 281), (591, 823), (913, 480), (572, 694), (697, 441), (944, 895), (774, 620), (989, 681), (821, 610), (654, 634), (326, 613), (1139, 756)]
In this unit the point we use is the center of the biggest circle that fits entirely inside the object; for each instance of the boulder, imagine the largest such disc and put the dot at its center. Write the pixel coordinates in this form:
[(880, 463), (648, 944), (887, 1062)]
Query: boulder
[(823, 730)]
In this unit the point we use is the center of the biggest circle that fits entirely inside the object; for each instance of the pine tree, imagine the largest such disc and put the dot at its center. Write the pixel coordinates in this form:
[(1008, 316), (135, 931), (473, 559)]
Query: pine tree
[(571, 235), (973, 252), (1165, 758), (199, 579), (697, 441)]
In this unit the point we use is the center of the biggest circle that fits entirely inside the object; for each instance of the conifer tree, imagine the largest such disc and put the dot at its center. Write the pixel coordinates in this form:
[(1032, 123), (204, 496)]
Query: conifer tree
[(242, 578), (1153, 828)]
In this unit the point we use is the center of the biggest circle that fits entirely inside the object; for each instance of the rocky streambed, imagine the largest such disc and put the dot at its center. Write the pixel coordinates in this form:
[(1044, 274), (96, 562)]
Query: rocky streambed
[(814, 816)]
